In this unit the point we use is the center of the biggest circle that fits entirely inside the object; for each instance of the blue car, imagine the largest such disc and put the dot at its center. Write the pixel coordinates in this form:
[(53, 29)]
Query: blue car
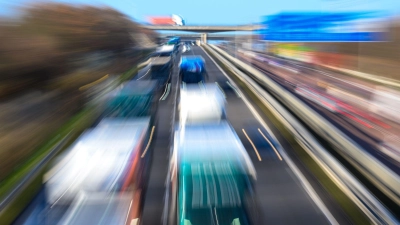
[(192, 69)]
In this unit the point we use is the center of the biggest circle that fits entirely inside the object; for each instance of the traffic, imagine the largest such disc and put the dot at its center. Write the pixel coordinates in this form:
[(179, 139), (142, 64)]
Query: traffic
[(133, 113), (178, 144)]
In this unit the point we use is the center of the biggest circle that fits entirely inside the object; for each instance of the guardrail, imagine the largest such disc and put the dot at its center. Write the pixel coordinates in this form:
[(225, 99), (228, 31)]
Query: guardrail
[(342, 178)]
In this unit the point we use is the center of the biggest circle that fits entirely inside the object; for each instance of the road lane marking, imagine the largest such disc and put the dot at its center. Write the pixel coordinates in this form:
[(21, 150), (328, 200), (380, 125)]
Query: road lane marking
[(127, 216), (148, 143), (166, 92), (236, 91), (220, 88), (277, 153), (252, 144), (144, 74), (93, 83)]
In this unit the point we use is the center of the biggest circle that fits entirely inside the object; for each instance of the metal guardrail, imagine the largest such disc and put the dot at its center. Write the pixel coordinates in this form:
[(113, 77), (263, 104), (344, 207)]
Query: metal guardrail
[(342, 178)]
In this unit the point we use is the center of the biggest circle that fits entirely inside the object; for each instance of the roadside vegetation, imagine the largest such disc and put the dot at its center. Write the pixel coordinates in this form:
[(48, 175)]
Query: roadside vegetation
[(47, 52)]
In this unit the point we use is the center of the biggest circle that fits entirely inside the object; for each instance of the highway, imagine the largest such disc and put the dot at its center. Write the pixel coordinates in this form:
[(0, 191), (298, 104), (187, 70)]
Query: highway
[(287, 192)]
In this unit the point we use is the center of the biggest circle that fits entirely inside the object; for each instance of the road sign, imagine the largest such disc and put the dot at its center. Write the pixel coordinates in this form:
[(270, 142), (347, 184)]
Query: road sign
[(349, 26)]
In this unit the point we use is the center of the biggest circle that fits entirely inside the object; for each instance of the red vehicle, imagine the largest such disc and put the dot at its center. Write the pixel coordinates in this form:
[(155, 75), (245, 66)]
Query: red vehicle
[(161, 20)]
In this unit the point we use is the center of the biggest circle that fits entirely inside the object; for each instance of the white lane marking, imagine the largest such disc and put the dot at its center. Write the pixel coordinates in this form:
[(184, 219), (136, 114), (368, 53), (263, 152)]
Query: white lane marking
[(273, 147), (166, 92), (236, 91), (144, 74), (129, 210), (306, 185), (148, 143), (252, 144), (220, 88)]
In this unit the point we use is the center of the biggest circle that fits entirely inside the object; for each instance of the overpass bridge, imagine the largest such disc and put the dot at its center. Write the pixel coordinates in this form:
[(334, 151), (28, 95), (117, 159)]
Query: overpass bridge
[(222, 37), (205, 30)]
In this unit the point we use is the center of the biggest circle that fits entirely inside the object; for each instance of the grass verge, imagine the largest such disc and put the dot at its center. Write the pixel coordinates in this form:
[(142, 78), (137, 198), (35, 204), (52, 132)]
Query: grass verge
[(347, 205)]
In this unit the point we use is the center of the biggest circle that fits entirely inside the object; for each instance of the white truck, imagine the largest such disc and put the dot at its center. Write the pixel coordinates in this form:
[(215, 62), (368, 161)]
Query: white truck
[(201, 104), (101, 160)]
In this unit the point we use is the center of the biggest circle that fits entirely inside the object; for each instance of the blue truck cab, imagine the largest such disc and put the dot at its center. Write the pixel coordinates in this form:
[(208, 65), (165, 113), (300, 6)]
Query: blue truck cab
[(192, 69)]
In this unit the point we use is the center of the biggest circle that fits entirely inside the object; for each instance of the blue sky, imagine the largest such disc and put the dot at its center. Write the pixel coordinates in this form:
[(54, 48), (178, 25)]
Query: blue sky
[(222, 12)]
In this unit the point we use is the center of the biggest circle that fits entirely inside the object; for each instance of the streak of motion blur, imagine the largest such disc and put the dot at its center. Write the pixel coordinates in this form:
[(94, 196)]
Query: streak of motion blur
[(104, 120)]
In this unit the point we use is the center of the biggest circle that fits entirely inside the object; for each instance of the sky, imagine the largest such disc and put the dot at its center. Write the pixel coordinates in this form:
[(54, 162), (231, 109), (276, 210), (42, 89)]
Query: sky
[(222, 12)]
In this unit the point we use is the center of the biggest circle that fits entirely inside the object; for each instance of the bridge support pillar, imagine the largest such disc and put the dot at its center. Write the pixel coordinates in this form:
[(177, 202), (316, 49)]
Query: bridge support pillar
[(204, 38)]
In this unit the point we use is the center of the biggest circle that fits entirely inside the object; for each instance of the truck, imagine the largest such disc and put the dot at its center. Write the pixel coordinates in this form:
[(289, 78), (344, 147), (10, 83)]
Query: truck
[(201, 104), (212, 176), (198, 43), (109, 159), (104, 159), (161, 64), (192, 70), (175, 41)]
